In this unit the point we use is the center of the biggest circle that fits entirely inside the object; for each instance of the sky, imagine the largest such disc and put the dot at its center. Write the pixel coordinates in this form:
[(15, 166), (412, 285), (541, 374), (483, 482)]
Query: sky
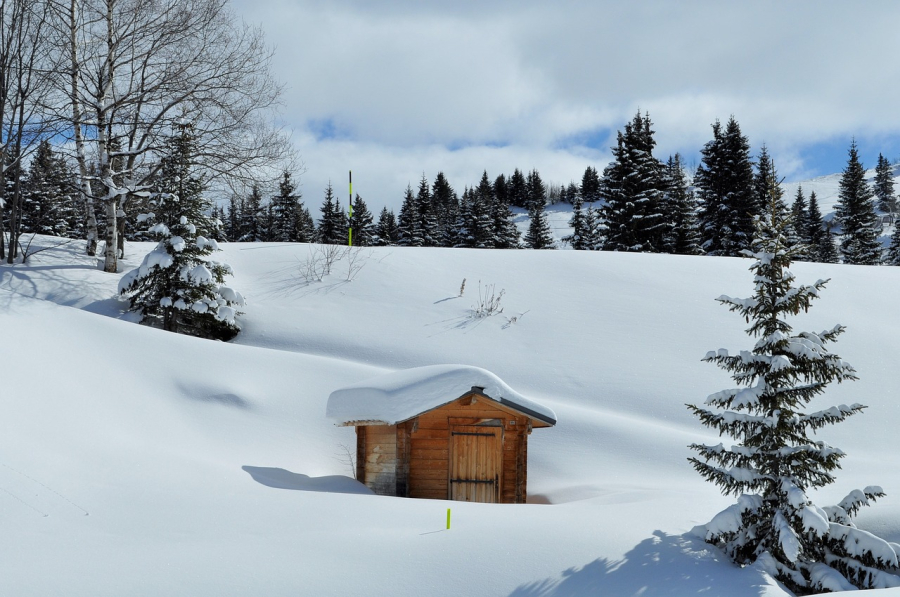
[(397, 89)]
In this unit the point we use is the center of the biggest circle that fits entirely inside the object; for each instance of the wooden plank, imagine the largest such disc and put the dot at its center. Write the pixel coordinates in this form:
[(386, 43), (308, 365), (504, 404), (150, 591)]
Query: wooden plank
[(429, 484), (428, 434), (425, 474), (403, 459), (419, 454), (360, 453), (430, 495), (430, 444), (419, 465)]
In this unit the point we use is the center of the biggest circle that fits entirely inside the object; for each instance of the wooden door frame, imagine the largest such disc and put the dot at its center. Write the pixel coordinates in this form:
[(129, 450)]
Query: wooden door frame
[(471, 425)]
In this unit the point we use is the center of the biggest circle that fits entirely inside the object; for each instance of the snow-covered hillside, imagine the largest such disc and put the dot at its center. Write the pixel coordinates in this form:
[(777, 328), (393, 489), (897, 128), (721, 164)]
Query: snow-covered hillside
[(138, 462)]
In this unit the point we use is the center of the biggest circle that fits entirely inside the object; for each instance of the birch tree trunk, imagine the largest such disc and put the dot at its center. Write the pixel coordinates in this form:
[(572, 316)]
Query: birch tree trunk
[(84, 183)]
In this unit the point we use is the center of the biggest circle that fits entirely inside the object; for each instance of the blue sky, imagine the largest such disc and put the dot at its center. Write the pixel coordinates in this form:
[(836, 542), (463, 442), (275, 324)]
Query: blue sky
[(393, 89)]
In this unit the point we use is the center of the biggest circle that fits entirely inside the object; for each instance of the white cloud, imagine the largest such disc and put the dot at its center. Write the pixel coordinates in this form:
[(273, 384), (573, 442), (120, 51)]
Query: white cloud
[(391, 81)]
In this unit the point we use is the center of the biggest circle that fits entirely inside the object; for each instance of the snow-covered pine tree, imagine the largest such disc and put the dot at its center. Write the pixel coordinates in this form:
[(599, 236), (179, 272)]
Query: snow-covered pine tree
[(724, 185), (590, 185), (799, 227), (579, 237), (463, 236), (893, 253), (252, 216), (233, 220), (409, 224), (482, 227), (538, 235), (361, 222), (386, 228), (504, 233), (631, 187), (284, 210), (773, 461), (855, 211), (447, 208), (427, 216), (305, 227), (518, 189), (683, 237), (48, 200), (332, 230), (884, 186), (176, 287), (821, 240)]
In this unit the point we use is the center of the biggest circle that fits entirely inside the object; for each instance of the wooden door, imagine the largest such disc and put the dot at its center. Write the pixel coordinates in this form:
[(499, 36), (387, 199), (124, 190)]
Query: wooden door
[(476, 462)]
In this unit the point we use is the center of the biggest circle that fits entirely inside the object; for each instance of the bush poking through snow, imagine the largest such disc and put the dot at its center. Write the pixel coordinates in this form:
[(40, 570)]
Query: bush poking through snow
[(774, 462), (322, 259), (488, 301)]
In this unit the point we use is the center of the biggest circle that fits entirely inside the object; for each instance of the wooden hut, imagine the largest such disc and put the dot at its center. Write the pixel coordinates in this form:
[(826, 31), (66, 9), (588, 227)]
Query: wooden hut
[(441, 432)]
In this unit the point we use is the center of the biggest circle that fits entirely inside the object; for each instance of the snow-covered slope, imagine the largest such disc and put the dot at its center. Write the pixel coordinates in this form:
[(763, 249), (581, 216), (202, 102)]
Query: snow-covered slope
[(133, 461)]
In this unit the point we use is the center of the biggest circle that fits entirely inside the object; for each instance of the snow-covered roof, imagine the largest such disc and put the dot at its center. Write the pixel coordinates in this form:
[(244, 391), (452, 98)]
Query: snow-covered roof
[(395, 397)]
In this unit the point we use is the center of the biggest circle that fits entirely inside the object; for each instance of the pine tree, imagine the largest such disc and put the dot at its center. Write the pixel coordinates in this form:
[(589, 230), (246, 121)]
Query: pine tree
[(538, 235), (855, 211), (684, 233), (252, 216), (798, 233), (821, 241), (409, 223), (48, 201), (579, 237), (177, 287), (893, 254), (332, 227), (774, 461), (724, 183), (518, 189), (361, 222), (284, 210), (763, 184), (884, 186), (233, 221), (464, 231), (482, 203), (304, 227), (590, 185), (386, 232), (446, 206), (428, 223), (632, 190), (505, 234)]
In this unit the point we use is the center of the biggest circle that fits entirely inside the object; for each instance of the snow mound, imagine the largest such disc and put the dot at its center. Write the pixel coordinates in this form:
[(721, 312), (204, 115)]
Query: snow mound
[(398, 396)]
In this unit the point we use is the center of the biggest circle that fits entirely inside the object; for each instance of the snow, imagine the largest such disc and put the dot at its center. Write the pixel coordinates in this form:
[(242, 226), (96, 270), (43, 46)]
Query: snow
[(395, 397), (210, 468)]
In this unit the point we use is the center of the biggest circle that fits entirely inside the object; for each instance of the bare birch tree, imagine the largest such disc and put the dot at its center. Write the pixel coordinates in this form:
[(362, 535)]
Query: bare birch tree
[(24, 84), (138, 68)]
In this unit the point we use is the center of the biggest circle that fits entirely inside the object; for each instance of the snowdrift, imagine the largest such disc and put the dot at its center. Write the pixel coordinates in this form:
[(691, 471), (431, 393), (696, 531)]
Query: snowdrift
[(133, 461)]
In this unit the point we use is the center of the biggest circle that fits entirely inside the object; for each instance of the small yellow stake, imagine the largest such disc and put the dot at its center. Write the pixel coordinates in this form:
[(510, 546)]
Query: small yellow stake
[(448, 519)]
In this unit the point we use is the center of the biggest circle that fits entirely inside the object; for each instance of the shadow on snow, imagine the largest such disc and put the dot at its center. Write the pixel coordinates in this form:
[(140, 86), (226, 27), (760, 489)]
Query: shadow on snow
[(280, 478), (662, 565)]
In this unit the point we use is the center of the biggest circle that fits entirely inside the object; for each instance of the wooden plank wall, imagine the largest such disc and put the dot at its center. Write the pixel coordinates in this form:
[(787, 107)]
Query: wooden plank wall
[(429, 467), (381, 459)]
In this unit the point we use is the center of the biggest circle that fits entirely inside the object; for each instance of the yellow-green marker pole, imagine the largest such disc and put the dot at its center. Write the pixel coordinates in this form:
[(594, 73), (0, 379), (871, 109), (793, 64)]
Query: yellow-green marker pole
[(448, 519), (350, 203)]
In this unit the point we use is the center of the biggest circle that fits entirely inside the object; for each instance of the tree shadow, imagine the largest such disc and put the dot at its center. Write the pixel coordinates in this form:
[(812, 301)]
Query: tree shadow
[(279, 478), (661, 565)]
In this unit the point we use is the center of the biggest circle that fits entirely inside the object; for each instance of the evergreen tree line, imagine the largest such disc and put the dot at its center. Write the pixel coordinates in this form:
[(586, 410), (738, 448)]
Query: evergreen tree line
[(649, 205), (639, 203), (434, 215)]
